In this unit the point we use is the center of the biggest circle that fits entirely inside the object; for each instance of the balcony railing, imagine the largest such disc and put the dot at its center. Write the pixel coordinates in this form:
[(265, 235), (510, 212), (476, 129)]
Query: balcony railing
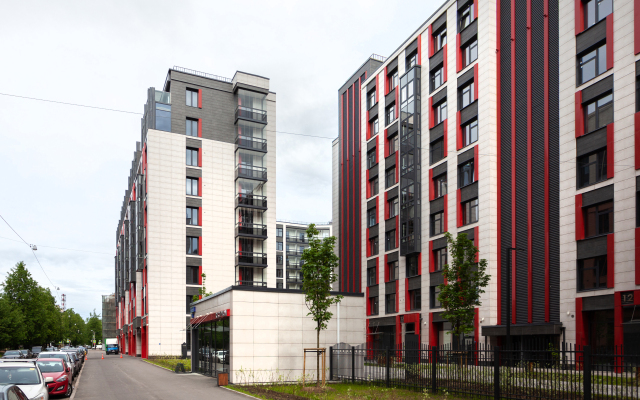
[(251, 258), (251, 143), (252, 114), (294, 252), (253, 230), (251, 283), (251, 172), (297, 239), (251, 201), (293, 279)]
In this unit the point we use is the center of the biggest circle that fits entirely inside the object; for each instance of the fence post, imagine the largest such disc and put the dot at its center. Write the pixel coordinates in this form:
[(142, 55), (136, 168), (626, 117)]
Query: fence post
[(331, 363), (353, 364), (388, 364), (434, 362), (586, 373), (496, 372)]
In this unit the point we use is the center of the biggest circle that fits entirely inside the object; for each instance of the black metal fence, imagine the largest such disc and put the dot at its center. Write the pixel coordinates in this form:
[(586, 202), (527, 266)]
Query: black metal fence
[(481, 372)]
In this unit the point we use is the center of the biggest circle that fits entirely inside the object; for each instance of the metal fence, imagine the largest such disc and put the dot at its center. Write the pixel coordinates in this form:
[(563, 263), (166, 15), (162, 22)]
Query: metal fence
[(481, 372)]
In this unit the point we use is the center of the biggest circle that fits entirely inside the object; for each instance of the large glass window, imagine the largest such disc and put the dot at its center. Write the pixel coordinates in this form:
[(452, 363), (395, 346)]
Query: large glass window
[(393, 144), (193, 275), (598, 113), (412, 266), (439, 259), (278, 232), (393, 80), (598, 219), (163, 117), (437, 78), (592, 168), (371, 217), (393, 207), (439, 112), (371, 98), (394, 271), (439, 40), (279, 246), (466, 95), (470, 133), (192, 127), (372, 158), (437, 223), (595, 11), (390, 114), (415, 299), (439, 186), (373, 244), (192, 186), (592, 64), (192, 216), (436, 150), (192, 98), (390, 303), (465, 16), (375, 127), (373, 305), (192, 245), (390, 240), (407, 194), (470, 53), (192, 157), (411, 60), (252, 100), (592, 273), (390, 177), (373, 186), (371, 276), (435, 292), (466, 173), (470, 212)]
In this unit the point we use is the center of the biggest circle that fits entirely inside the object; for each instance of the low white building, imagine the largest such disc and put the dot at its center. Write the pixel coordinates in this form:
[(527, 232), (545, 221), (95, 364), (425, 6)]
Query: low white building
[(259, 334)]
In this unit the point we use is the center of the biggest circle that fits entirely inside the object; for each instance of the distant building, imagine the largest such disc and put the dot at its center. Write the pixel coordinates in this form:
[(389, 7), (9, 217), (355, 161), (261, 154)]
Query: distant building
[(109, 316)]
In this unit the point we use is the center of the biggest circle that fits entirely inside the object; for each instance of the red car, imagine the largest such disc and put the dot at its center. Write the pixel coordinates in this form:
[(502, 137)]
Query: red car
[(61, 374)]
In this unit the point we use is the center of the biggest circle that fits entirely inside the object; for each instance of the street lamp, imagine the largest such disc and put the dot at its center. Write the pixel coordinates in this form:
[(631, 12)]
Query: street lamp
[(509, 250)]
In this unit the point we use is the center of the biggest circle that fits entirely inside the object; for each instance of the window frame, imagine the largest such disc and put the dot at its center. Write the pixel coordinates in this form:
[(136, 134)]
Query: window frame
[(372, 217), (415, 299), (600, 170), (467, 53), (464, 14), (193, 272), (390, 240), (601, 268), (440, 255), (439, 185), (375, 127), (372, 99), (394, 271), (189, 127), (598, 214), (390, 303), (599, 58), (434, 291), (373, 186), (390, 177), (190, 157), (193, 182), (470, 211), (194, 211), (373, 245), (436, 218), (189, 95), (598, 109), (279, 232), (372, 157), (462, 174), (411, 60), (279, 246), (467, 132), (392, 79), (439, 74), (440, 112), (393, 144), (439, 39), (373, 305), (371, 276), (467, 93), (394, 207), (190, 247), (596, 9), (436, 146), (390, 114)]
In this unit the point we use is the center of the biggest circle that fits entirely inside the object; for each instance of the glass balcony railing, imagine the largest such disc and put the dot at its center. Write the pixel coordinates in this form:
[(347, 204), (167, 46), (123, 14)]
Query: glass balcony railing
[(251, 114), (253, 230), (251, 258), (251, 283), (294, 252), (251, 201), (251, 143), (293, 279), (297, 239), (251, 172), (163, 97)]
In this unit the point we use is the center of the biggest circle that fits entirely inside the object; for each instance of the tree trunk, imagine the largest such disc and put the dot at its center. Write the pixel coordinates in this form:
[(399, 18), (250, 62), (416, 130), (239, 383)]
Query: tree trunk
[(318, 356)]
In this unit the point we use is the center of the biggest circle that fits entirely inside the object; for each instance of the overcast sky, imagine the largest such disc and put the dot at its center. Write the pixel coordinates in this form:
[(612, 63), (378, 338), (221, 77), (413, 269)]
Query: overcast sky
[(69, 165)]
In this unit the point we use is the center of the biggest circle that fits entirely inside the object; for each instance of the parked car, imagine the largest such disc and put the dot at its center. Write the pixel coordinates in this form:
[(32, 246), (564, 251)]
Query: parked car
[(11, 392), (61, 374), (27, 376), (36, 350), (61, 355), (27, 353), (76, 359), (13, 354)]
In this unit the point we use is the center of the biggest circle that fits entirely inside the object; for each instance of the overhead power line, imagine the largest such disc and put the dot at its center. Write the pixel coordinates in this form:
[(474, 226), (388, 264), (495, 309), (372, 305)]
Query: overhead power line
[(63, 248)]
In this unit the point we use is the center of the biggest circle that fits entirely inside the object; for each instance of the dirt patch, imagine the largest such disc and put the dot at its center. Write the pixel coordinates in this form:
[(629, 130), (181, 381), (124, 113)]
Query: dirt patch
[(317, 390), (271, 394)]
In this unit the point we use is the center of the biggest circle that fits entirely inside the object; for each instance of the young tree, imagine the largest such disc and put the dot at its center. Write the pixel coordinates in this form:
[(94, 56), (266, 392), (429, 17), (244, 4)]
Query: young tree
[(319, 262), (12, 329), (93, 323), (465, 279)]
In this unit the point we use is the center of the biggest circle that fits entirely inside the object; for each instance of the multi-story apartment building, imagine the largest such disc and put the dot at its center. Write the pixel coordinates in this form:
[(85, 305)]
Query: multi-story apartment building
[(291, 240), (517, 101), (206, 147)]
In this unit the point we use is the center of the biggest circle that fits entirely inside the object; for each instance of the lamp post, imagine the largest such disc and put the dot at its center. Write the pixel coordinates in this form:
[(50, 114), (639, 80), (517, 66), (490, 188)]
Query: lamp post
[(509, 250)]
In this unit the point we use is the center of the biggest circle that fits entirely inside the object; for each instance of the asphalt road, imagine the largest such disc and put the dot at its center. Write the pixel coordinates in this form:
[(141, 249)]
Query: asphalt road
[(116, 378)]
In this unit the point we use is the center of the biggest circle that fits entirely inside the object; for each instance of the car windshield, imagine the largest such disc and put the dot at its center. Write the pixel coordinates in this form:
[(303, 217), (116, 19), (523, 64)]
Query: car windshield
[(50, 366), (37, 348), (12, 353), (61, 356), (19, 376)]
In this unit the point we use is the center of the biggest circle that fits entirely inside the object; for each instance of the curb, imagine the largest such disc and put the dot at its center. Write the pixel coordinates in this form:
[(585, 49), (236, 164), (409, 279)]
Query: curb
[(77, 385), (165, 368), (241, 393)]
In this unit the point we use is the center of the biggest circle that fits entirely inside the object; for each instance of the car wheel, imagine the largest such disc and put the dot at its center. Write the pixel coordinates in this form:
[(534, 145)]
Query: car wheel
[(69, 390)]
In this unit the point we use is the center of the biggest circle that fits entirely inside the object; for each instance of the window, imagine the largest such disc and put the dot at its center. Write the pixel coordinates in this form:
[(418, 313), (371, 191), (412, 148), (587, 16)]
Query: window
[(598, 114), (278, 232), (375, 127), (466, 173), (439, 112), (193, 275), (436, 150), (415, 299), (393, 207), (192, 127), (470, 53), (407, 194), (192, 186), (371, 98), (466, 95), (437, 223), (437, 78), (592, 64), (470, 212), (371, 157), (595, 11), (192, 216), (390, 303), (394, 271), (192, 98), (598, 219), (390, 240), (373, 186), (390, 177), (371, 276), (163, 117), (407, 162), (393, 80), (470, 133), (434, 293), (279, 258), (189, 300), (439, 40), (411, 60), (192, 157), (391, 114), (373, 305), (393, 144), (412, 266), (373, 245), (465, 16), (192, 245), (439, 259), (371, 217), (592, 168), (279, 273), (439, 186), (279, 246), (592, 273)]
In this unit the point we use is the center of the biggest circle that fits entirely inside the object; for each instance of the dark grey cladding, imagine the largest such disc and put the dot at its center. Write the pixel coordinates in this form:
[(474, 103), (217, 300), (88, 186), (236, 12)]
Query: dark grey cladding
[(598, 89), (595, 140), (436, 206), (587, 39), (595, 247), (597, 196), (436, 132), (469, 192), (466, 156), (440, 169), (195, 173)]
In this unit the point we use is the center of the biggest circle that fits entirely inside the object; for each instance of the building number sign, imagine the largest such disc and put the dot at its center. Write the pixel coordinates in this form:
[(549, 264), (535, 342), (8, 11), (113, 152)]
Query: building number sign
[(627, 298)]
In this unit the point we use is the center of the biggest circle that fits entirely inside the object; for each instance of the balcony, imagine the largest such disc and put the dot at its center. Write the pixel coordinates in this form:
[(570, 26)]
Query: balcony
[(251, 114), (294, 252), (251, 259), (251, 172), (251, 201), (297, 239), (293, 279), (251, 143), (251, 283), (251, 230)]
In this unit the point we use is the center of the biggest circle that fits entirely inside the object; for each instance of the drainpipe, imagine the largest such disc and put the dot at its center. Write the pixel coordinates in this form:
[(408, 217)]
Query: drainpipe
[(338, 339)]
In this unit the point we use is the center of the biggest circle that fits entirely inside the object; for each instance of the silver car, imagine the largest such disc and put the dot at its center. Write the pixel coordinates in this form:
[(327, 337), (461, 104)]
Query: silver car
[(27, 376), (63, 356)]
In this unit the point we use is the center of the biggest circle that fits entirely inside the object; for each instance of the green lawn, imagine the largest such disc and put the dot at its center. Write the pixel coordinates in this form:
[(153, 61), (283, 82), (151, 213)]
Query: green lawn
[(340, 391), (170, 363)]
